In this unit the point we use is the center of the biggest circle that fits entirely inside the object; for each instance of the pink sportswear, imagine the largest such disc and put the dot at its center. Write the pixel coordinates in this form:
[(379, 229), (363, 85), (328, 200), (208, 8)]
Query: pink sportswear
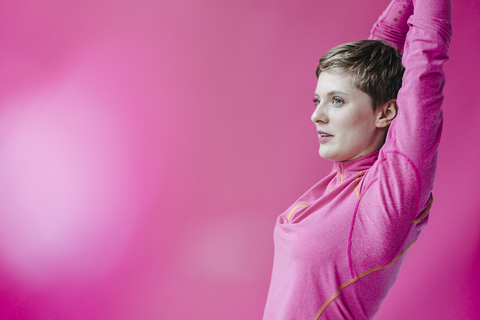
[(339, 247)]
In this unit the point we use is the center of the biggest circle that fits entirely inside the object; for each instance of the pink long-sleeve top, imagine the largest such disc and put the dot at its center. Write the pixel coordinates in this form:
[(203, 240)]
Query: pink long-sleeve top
[(339, 247)]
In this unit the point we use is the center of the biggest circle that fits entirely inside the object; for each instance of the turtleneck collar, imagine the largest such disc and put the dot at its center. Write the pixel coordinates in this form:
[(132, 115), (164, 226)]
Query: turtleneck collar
[(356, 165)]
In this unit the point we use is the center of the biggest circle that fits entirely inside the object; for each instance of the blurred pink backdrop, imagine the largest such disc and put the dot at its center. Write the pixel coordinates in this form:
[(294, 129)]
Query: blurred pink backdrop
[(146, 148)]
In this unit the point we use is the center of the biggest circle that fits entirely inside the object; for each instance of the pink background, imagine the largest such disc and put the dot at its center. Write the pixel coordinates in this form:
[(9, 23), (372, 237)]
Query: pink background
[(146, 148)]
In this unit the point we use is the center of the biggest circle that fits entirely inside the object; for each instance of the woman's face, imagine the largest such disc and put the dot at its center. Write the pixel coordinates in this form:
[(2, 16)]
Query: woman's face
[(344, 118)]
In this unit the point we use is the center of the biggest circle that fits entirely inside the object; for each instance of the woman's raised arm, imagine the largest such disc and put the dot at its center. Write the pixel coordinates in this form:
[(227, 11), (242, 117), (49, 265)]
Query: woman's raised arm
[(416, 131), (392, 25)]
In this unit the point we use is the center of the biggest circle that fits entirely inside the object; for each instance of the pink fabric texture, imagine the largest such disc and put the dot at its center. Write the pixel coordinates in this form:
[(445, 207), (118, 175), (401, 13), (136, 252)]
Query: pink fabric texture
[(339, 247)]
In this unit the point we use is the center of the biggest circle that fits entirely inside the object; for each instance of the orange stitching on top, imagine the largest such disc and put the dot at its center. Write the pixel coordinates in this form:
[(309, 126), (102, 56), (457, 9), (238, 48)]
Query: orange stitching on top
[(425, 214), (297, 206), (357, 181), (349, 282)]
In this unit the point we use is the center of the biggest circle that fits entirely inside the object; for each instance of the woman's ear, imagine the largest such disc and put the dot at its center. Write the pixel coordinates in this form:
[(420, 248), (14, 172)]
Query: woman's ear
[(386, 113)]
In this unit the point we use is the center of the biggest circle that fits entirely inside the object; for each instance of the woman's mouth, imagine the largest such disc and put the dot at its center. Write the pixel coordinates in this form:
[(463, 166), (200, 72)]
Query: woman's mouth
[(324, 136)]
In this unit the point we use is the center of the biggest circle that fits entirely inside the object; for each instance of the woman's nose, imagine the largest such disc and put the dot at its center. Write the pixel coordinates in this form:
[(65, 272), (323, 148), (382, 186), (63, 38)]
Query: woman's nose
[(319, 115)]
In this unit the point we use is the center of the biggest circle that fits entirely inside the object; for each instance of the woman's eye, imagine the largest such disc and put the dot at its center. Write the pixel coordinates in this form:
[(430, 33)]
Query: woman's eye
[(337, 101), (316, 101)]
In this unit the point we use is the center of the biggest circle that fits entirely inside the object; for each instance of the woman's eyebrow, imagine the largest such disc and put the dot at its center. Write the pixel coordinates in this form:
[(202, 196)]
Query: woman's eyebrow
[(331, 93), (336, 92)]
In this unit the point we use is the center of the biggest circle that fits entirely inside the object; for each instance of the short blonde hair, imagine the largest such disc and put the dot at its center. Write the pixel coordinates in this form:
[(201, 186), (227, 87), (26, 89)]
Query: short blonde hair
[(376, 68)]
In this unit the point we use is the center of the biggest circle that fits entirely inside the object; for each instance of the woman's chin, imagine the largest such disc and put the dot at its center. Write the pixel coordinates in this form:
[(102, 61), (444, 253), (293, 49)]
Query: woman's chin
[(325, 154)]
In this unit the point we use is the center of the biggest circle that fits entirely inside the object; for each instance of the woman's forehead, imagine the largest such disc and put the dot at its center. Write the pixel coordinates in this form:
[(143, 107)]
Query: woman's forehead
[(329, 82)]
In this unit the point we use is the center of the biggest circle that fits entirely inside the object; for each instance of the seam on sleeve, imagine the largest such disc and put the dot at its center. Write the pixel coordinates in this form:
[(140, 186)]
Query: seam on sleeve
[(417, 195), (352, 223), (417, 176)]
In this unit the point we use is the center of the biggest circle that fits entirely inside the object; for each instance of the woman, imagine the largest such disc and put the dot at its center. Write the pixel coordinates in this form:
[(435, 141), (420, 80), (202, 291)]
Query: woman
[(338, 248)]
